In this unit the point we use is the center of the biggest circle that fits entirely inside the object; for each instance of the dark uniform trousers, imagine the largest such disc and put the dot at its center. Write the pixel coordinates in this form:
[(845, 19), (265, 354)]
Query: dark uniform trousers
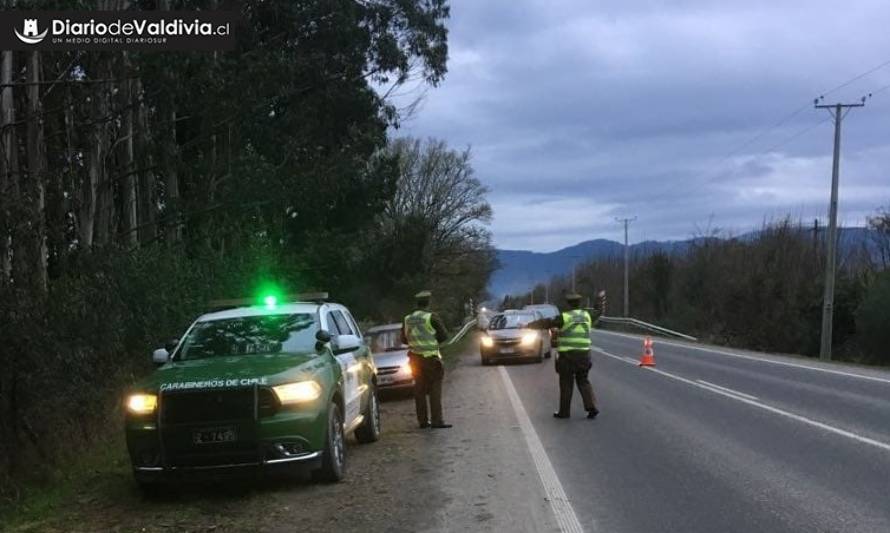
[(574, 366), (428, 373)]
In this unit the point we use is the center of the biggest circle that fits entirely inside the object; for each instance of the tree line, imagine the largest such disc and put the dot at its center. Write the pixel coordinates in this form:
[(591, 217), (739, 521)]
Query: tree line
[(137, 187), (762, 291)]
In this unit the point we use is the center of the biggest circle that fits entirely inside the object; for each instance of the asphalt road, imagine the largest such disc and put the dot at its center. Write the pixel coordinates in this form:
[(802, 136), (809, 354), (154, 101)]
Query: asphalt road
[(711, 440)]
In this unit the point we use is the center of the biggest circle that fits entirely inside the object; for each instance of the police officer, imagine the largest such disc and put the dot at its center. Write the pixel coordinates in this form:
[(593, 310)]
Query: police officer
[(423, 331), (573, 361)]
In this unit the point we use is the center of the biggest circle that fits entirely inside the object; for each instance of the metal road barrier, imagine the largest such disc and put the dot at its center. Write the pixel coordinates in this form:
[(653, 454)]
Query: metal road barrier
[(460, 334), (645, 326)]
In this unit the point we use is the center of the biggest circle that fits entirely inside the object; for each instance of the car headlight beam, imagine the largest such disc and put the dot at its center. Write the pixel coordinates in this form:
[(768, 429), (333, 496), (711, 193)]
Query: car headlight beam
[(487, 341), (530, 338), (142, 404), (299, 392)]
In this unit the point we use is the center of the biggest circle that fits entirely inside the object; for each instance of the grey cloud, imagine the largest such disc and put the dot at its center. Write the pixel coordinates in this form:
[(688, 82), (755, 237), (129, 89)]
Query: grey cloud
[(579, 111)]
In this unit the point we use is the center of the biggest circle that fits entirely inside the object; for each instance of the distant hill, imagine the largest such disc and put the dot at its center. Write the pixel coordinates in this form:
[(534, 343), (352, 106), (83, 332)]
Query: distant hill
[(521, 269)]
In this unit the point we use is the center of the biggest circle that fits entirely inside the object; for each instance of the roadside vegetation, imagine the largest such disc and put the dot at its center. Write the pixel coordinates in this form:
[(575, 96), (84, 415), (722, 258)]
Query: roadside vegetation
[(761, 292), (134, 188)]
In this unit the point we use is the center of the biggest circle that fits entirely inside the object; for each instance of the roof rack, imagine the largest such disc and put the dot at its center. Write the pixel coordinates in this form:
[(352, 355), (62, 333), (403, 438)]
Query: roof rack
[(222, 305), (315, 297)]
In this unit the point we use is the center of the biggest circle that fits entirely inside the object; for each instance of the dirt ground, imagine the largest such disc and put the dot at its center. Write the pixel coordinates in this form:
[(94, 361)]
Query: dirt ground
[(375, 496), (477, 476)]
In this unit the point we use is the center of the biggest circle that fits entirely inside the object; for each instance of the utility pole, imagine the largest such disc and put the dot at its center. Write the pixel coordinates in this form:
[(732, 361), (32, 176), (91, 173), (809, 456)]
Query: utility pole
[(547, 290), (838, 112), (575, 259), (626, 221)]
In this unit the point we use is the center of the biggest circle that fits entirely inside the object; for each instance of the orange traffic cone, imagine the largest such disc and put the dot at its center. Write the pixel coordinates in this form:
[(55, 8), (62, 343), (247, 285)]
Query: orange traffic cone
[(648, 357)]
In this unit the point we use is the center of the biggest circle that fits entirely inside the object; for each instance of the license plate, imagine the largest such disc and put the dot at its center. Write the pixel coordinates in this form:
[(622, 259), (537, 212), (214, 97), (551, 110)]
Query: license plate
[(212, 436), (384, 380), (506, 350)]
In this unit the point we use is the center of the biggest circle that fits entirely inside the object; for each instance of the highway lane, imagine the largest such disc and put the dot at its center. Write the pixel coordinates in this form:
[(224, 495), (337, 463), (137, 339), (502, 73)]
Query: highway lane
[(670, 453)]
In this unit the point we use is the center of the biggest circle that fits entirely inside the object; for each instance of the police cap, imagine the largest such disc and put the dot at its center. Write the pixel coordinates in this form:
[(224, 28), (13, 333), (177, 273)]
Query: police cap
[(423, 295)]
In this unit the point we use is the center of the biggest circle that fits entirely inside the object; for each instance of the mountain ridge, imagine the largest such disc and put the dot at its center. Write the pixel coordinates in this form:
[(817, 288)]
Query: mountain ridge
[(522, 269)]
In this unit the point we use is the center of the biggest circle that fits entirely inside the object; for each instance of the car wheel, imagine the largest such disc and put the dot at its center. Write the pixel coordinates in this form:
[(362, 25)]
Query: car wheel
[(485, 361), (369, 431), (333, 459)]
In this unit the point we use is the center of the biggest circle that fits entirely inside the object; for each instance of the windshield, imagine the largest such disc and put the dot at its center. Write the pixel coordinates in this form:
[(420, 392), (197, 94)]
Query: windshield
[(387, 341), (516, 321), (250, 335)]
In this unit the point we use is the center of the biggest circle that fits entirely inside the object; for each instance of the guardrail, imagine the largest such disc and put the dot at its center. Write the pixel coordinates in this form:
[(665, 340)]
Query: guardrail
[(460, 334), (645, 325)]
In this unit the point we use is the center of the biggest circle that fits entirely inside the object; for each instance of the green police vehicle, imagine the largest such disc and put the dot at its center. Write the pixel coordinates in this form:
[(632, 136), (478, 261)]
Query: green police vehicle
[(275, 385)]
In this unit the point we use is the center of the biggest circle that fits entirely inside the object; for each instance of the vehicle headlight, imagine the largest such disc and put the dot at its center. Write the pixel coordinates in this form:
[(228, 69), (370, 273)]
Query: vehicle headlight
[(530, 338), (142, 404), (299, 392), (406, 369), (487, 341)]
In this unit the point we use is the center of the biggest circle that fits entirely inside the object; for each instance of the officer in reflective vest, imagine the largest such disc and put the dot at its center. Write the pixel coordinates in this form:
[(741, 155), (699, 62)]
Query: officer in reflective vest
[(573, 361), (423, 331)]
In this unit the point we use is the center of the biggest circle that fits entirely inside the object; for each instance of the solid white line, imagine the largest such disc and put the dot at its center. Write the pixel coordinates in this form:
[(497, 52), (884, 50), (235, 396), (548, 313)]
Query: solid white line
[(727, 389), (753, 358), (809, 421), (562, 508)]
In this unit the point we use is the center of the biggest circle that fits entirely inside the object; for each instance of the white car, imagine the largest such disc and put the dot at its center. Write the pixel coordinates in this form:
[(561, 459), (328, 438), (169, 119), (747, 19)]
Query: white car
[(509, 338), (390, 357)]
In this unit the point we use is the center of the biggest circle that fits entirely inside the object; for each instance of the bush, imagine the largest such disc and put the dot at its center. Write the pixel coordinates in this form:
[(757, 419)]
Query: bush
[(873, 320)]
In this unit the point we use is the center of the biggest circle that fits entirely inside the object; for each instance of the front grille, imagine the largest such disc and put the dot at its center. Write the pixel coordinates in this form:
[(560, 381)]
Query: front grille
[(387, 370), (242, 455), (507, 342), (267, 402), (182, 407)]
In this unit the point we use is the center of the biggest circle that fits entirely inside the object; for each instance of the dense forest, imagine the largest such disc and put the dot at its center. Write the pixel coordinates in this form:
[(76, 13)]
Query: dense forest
[(136, 187), (762, 292)]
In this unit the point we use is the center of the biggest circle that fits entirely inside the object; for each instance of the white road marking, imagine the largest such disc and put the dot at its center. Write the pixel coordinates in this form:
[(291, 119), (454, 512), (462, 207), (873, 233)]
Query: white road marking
[(562, 507), (809, 421), (754, 358), (727, 389)]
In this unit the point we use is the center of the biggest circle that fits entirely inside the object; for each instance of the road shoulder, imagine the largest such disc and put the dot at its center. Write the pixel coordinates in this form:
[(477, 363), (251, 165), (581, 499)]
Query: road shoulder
[(484, 468)]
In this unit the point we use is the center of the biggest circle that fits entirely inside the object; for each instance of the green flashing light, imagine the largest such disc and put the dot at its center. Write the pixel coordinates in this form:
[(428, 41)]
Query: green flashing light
[(271, 301)]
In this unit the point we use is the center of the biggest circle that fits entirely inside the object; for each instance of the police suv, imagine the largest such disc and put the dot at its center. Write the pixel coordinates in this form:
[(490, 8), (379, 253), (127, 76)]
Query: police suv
[(256, 386)]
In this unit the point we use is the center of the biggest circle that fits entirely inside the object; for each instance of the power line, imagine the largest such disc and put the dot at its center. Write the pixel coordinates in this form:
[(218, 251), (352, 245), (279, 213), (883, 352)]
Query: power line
[(802, 108), (796, 135)]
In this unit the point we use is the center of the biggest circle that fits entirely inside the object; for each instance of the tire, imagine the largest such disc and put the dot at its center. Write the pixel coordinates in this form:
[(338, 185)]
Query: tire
[(369, 431), (333, 458)]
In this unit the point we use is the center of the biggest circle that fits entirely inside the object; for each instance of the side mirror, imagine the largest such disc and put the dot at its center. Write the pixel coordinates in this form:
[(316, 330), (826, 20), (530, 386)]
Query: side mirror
[(346, 343), (322, 336), (171, 345), (160, 356)]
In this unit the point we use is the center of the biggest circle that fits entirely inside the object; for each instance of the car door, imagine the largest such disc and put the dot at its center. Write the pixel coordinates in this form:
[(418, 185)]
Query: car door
[(350, 366)]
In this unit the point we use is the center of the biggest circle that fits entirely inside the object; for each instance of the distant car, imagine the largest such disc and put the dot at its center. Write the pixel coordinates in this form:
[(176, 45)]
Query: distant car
[(509, 338), (390, 357), (547, 311)]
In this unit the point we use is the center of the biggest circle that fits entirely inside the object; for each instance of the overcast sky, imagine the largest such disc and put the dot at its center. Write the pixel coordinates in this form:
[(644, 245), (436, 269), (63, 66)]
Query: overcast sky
[(578, 112)]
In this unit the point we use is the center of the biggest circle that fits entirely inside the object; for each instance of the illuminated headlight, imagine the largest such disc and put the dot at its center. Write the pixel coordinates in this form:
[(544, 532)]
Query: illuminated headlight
[(487, 341), (406, 369), (299, 392), (530, 338), (142, 404)]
